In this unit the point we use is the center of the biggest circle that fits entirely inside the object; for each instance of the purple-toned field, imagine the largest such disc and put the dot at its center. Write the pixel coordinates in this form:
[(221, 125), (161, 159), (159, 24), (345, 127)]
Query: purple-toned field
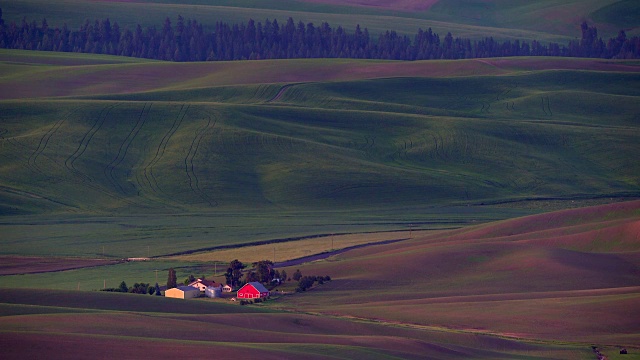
[(11, 265), (570, 276), (66, 78), (407, 5), (131, 335), (546, 286)]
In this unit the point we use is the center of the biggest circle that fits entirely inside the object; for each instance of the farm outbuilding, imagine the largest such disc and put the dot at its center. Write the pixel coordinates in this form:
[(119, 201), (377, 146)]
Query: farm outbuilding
[(182, 292), (213, 292), (253, 290)]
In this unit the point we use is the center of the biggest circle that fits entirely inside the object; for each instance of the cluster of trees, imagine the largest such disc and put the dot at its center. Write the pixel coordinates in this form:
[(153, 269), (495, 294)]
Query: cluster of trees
[(137, 288), (264, 272), (261, 271), (234, 273), (188, 41), (306, 282)]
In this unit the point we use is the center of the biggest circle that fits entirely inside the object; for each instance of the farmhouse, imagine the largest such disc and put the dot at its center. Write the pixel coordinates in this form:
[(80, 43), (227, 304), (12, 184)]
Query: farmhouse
[(182, 292), (202, 284), (253, 290)]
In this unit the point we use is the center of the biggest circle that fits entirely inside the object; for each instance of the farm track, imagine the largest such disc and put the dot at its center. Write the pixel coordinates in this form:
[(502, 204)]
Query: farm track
[(84, 143), (162, 147), (124, 148), (194, 182)]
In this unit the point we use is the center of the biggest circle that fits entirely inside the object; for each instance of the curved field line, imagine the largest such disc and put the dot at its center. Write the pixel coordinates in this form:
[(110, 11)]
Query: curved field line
[(124, 148), (280, 93), (84, 143), (194, 182), (546, 107), (44, 141), (162, 147), (549, 106)]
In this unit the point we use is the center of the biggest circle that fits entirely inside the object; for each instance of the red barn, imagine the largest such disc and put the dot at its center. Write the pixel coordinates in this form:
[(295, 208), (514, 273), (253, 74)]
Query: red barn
[(253, 290)]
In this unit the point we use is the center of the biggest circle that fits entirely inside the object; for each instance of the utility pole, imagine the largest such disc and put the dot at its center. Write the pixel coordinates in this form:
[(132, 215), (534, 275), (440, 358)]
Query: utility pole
[(148, 252), (332, 235), (274, 254), (104, 284), (156, 275)]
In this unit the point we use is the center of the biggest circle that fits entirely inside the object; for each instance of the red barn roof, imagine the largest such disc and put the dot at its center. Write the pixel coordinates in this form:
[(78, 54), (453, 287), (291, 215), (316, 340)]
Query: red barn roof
[(253, 290)]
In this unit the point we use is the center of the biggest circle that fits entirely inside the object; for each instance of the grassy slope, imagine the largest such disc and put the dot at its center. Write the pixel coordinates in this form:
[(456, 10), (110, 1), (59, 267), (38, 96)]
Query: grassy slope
[(379, 138), (569, 276)]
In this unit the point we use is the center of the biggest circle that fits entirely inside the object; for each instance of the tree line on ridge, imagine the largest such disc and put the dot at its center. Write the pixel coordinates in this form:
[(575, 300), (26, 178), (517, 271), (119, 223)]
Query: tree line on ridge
[(188, 41)]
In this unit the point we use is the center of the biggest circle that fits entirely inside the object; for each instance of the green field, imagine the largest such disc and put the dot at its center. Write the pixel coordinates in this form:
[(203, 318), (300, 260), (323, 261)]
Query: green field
[(175, 158), (109, 158)]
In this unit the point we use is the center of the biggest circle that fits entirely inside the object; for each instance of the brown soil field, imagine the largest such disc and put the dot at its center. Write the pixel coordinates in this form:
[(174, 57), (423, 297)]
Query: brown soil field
[(14, 265), (544, 286), (571, 275), (279, 335), (78, 346)]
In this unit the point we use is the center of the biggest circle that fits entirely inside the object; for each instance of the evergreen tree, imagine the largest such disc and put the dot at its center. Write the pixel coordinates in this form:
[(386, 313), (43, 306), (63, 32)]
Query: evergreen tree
[(297, 275), (189, 42), (172, 279)]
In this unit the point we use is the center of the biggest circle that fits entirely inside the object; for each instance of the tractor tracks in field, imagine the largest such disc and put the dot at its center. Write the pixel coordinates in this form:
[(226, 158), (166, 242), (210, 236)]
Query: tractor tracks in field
[(280, 93), (69, 163), (147, 171), (124, 148), (44, 142), (189, 167)]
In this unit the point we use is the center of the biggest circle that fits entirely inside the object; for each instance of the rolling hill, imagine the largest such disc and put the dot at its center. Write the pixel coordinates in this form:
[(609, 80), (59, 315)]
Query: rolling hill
[(104, 158), (384, 138), (572, 275), (548, 286), (363, 145)]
